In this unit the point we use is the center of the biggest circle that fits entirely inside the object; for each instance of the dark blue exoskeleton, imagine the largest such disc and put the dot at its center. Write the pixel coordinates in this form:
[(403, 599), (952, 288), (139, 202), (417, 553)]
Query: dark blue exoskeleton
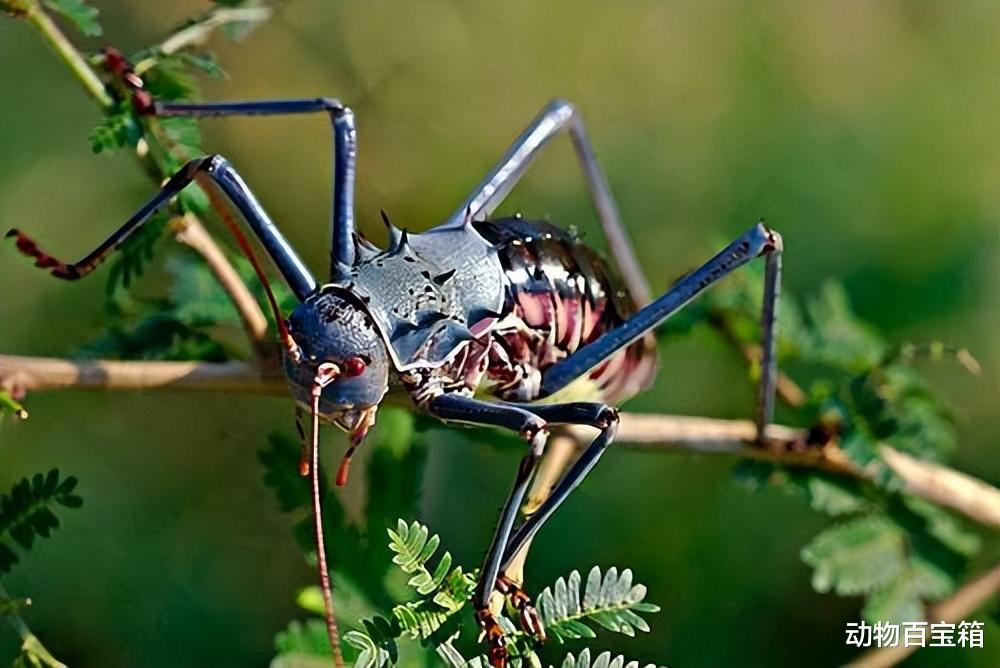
[(510, 323)]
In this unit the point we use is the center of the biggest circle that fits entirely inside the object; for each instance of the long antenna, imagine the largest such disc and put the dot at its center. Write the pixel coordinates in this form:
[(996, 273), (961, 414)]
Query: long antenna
[(325, 374), (287, 341)]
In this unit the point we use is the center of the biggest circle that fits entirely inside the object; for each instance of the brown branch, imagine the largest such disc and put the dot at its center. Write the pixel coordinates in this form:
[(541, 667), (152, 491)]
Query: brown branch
[(785, 445), (198, 31), (933, 482), (189, 231), (786, 388), (956, 608), (36, 374), (945, 487)]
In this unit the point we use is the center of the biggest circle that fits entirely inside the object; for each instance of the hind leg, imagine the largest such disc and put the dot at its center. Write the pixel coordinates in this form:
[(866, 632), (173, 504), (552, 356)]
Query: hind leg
[(558, 115), (756, 242)]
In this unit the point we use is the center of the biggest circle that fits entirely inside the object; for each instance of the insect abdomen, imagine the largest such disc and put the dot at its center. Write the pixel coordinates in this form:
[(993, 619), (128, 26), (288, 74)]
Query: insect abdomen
[(564, 296)]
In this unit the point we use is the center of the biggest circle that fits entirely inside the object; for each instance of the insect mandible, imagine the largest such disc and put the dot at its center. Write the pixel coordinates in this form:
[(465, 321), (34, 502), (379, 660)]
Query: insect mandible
[(508, 322)]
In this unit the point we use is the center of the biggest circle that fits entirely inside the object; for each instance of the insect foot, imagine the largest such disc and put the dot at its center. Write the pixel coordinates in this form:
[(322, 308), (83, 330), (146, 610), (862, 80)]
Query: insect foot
[(495, 641), (531, 621), (125, 76)]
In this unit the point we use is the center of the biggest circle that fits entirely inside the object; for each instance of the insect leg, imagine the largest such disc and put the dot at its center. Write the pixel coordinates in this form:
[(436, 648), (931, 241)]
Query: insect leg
[(345, 152), (214, 173), (458, 408), (494, 188), (757, 241), (589, 414)]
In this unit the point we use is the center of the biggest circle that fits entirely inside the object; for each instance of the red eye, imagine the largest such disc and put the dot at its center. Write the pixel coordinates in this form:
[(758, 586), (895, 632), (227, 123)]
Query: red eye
[(354, 366)]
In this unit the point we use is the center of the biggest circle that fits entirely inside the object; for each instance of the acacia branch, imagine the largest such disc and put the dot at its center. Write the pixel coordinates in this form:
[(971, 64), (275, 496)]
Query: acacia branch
[(32, 12), (191, 231), (197, 31), (786, 388), (785, 445), (19, 375), (945, 486), (668, 433)]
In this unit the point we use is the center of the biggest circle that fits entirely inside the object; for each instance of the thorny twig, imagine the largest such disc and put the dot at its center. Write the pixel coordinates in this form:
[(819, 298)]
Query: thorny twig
[(785, 445), (32, 12), (198, 30), (786, 388), (933, 482), (192, 232)]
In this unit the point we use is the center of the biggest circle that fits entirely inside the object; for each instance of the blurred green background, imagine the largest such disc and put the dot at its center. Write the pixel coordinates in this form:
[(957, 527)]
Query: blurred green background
[(866, 132)]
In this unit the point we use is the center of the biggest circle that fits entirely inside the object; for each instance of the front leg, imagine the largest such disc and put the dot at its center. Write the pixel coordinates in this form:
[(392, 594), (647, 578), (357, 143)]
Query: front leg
[(345, 141), (460, 408)]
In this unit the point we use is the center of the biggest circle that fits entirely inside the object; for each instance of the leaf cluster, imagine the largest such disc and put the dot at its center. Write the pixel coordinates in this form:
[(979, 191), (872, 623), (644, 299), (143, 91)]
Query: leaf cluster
[(571, 609), (27, 513), (80, 13), (194, 320), (895, 550), (168, 76)]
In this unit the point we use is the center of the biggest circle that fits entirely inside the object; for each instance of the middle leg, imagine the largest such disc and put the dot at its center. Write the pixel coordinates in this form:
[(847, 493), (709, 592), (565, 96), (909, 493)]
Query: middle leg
[(597, 415), (531, 421), (460, 408)]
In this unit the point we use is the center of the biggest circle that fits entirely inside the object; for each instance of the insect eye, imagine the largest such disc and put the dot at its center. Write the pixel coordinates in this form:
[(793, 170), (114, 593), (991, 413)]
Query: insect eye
[(354, 366)]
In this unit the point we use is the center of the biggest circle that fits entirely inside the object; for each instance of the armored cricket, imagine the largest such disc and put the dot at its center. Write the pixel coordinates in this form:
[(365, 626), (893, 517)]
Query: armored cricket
[(509, 322)]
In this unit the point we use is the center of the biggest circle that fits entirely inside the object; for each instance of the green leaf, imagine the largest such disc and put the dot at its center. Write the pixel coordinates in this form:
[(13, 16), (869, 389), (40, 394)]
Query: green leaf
[(752, 474), (311, 599), (8, 559), (451, 656), (898, 602), (136, 252), (414, 549), (371, 656), (856, 557), (196, 296), (82, 15), (182, 135), (832, 495), (842, 340), (170, 78), (26, 512), (280, 460), (204, 62), (156, 337), (611, 601), (943, 526), (116, 130), (602, 660)]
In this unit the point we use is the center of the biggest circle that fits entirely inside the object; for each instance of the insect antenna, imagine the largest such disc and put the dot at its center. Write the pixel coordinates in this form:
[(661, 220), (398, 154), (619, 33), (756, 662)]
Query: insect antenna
[(287, 341), (325, 374)]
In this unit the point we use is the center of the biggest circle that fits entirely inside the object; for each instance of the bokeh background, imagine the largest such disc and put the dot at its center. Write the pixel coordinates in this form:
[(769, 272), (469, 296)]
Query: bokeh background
[(866, 132)]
